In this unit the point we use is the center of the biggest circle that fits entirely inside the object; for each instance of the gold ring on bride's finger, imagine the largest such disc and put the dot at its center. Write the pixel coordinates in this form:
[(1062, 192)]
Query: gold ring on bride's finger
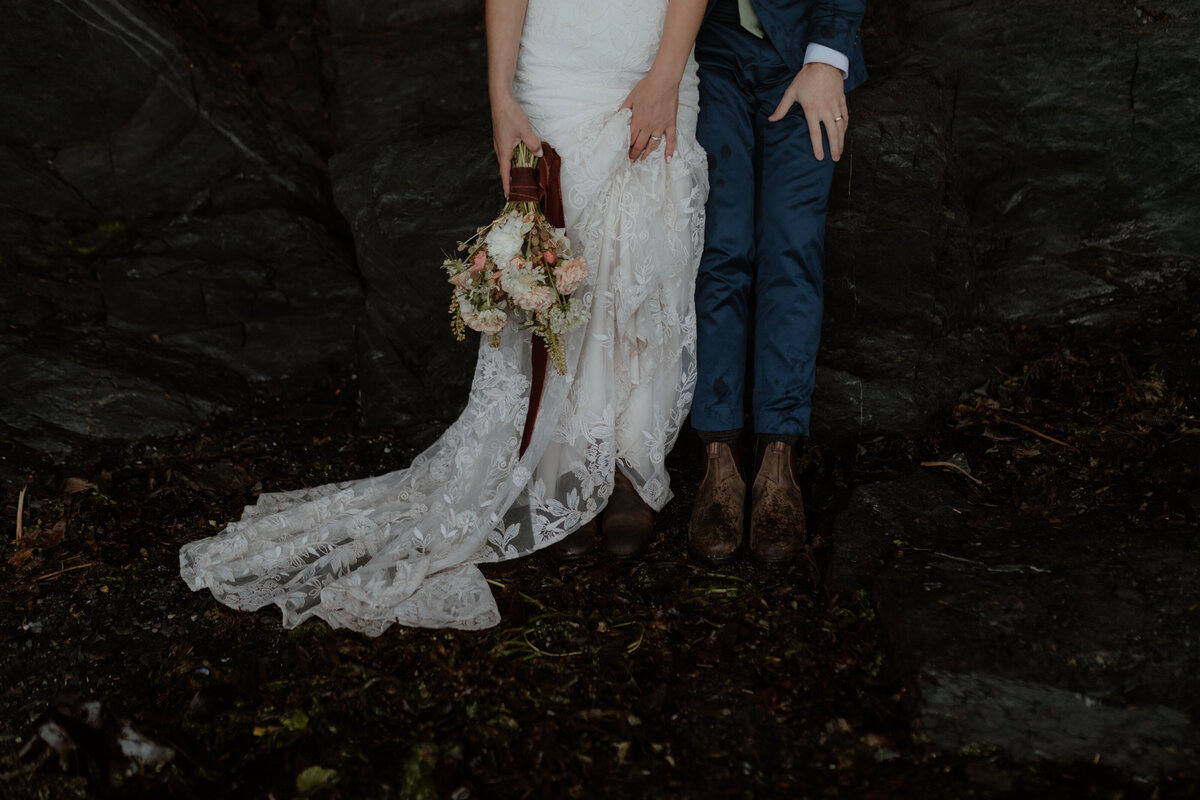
[(659, 138)]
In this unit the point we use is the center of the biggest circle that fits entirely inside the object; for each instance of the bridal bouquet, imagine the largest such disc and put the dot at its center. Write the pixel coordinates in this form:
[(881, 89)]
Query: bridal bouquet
[(519, 266)]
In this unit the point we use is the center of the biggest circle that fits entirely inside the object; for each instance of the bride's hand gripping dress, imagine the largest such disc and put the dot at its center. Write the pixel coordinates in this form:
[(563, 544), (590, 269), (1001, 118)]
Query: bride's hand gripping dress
[(403, 547)]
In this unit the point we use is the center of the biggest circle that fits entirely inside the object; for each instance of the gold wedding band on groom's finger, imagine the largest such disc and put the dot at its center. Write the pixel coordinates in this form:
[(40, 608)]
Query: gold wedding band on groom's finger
[(837, 119)]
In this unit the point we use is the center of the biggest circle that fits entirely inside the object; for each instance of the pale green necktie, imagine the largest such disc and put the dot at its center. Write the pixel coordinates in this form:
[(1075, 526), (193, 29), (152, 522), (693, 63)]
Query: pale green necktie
[(749, 19)]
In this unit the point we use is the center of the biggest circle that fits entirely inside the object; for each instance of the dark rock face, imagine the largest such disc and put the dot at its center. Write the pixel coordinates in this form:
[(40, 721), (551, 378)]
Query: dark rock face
[(103, 387), (165, 233), (1011, 639), (414, 175), (166, 178), (1008, 164)]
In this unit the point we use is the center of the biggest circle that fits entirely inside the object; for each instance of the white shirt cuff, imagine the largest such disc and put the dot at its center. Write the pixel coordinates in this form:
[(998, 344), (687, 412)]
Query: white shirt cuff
[(827, 55)]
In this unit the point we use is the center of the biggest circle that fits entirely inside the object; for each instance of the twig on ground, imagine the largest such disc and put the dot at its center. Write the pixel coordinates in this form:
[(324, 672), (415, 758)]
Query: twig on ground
[(65, 570), (953, 466), (1036, 432), (633, 646), (20, 510)]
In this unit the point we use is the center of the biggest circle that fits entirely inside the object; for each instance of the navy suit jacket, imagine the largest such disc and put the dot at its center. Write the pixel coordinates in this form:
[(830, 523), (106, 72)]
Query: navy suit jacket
[(792, 25)]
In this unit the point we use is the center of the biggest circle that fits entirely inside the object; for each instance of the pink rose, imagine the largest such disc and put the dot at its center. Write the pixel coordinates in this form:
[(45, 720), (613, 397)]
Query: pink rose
[(463, 279), (568, 275), (550, 257), (539, 298), (480, 261)]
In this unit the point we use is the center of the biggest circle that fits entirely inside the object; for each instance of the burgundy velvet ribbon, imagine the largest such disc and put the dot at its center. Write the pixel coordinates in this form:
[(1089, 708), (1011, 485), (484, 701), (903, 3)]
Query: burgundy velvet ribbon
[(538, 185)]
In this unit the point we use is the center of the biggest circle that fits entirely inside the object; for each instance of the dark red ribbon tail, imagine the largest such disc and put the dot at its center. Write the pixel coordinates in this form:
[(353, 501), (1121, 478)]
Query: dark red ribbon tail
[(549, 197), (541, 360), (550, 188)]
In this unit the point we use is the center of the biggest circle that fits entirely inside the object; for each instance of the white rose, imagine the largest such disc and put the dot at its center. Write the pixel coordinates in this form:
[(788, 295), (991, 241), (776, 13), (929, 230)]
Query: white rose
[(518, 277), (505, 239)]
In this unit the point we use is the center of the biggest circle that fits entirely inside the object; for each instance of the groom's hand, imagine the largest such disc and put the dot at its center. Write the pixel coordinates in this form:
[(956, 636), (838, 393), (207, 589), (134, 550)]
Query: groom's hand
[(819, 90), (510, 127)]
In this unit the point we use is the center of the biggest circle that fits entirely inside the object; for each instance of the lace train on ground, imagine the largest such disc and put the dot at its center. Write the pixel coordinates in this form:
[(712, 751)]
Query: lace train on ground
[(402, 547)]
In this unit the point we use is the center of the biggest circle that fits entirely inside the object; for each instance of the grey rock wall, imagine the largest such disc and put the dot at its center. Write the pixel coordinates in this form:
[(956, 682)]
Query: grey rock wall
[(264, 191), (414, 175), (1069, 197), (1014, 635), (1009, 164), (166, 232)]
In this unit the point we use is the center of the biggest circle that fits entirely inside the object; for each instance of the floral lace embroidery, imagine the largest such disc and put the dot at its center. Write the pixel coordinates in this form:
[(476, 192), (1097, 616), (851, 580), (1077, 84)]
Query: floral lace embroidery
[(402, 547)]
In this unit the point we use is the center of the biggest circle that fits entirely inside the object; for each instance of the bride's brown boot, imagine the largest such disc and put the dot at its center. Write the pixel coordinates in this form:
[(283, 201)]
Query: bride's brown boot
[(575, 546), (716, 529), (777, 528), (628, 522)]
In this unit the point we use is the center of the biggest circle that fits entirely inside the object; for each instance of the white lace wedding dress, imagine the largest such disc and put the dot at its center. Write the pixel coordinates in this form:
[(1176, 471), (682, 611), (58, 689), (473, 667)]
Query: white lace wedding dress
[(403, 547)]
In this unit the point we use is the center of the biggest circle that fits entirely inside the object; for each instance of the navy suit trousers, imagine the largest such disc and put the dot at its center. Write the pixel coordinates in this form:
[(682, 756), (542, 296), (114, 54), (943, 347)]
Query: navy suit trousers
[(764, 240)]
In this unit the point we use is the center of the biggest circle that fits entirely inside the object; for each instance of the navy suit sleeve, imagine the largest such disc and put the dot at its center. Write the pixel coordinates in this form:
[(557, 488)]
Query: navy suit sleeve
[(834, 23)]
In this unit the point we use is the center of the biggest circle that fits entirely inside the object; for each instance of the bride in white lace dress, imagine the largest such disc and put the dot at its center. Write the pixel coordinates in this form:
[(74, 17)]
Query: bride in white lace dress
[(612, 86)]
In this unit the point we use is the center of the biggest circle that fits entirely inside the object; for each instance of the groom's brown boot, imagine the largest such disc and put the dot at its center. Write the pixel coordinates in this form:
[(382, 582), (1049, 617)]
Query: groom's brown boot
[(628, 524), (575, 546), (716, 529), (778, 532)]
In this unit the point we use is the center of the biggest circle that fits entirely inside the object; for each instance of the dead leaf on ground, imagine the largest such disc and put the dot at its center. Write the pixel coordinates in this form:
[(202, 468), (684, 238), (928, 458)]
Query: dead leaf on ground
[(75, 485)]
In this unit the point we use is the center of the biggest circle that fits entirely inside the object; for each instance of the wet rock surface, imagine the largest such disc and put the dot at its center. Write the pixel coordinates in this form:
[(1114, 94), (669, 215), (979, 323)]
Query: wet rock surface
[(414, 174), (1061, 635), (166, 234), (1013, 640), (1036, 582), (1006, 164), (340, 147)]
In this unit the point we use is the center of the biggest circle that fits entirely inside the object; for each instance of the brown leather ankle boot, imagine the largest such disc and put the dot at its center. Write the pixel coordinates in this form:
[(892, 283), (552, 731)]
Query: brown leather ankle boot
[(575, 546), (716, 529), (777, 527), (628, 523)]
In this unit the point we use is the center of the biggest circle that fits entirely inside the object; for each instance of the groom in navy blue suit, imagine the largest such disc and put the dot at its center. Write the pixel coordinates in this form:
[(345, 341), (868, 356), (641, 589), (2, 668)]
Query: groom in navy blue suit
[(773, 78)]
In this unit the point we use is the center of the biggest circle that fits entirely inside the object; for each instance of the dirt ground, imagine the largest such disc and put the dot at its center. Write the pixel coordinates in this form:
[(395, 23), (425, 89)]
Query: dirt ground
[(658, 678)]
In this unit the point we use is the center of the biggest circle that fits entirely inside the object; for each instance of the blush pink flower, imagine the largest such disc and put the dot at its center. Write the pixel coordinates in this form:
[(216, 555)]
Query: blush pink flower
[(539, 298), (491, 320), (568, 275)]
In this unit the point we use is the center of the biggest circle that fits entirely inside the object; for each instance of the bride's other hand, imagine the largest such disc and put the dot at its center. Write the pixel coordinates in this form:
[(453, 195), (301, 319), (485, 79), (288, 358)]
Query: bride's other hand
[(510, 126), (654, 103), (655, 100)]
